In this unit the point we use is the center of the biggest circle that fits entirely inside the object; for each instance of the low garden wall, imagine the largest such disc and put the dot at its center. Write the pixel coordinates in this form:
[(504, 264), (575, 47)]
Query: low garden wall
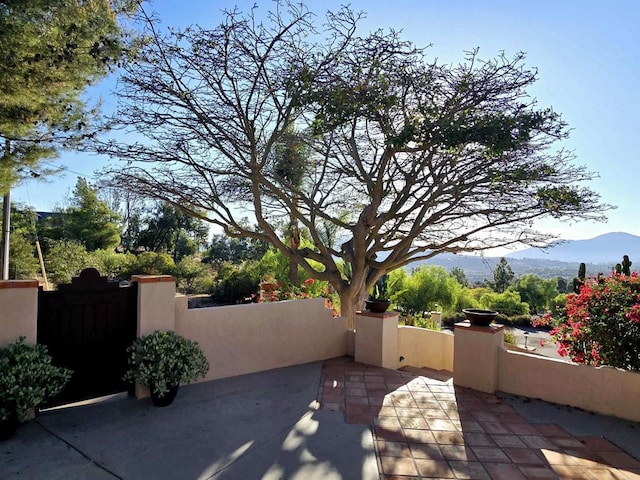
[(425, 348), (241, 339), (605, 390), (482, 362)]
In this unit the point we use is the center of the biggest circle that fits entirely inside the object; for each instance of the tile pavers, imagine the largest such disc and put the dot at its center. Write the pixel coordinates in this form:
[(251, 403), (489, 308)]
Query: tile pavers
[(425, 427)]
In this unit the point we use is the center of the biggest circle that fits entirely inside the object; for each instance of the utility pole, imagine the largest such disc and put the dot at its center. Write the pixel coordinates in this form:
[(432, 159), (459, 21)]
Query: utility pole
[(6, 221)]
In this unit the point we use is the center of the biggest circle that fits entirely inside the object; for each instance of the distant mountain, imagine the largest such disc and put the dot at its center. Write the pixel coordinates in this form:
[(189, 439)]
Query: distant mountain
[(604, 249), (477, 269), (561, 260)]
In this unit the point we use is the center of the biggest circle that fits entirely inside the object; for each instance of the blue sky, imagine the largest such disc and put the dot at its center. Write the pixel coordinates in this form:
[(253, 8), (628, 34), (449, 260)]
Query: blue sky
[(586, 52)]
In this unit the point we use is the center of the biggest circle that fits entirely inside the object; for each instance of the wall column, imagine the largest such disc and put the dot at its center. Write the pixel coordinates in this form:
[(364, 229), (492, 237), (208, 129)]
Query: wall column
[(475, 356), (156, 309), (156, 303), (377, 339), (19, 317)]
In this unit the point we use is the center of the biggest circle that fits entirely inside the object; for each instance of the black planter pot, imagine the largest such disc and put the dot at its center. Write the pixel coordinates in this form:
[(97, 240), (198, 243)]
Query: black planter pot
[(377, 306), (9, 426), (167, 399), (480, 318)]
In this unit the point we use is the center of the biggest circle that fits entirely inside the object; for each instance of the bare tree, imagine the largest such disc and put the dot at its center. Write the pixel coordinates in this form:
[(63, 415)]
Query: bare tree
[(406, 158)]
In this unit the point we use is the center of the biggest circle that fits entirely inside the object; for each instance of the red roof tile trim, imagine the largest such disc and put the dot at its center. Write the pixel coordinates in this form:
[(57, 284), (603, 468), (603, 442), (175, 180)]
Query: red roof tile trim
[(19, 284), (152, 278)]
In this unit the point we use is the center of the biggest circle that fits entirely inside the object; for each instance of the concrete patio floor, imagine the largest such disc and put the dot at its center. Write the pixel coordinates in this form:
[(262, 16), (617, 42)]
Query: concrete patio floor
[(326, 420)]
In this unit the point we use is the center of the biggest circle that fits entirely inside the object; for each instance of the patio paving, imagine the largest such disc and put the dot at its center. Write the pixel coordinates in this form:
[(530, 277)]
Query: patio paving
[(425, 427), (329, 420)]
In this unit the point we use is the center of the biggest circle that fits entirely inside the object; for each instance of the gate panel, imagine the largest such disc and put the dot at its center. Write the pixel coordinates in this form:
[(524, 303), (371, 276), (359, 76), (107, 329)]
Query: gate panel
[(87, 327)]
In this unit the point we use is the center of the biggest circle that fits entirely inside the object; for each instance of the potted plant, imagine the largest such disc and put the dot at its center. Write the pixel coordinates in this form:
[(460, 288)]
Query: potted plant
[(378, 301), (162, 361), (27, 379)]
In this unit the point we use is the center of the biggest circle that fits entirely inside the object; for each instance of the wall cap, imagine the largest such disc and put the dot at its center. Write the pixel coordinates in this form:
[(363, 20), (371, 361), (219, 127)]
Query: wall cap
[(367, 313), (491, 329), (19, 284), (152, 278)]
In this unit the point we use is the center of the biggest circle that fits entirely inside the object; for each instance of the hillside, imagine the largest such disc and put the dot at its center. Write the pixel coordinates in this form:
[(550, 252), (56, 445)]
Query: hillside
[(561, 260), (604, 249)]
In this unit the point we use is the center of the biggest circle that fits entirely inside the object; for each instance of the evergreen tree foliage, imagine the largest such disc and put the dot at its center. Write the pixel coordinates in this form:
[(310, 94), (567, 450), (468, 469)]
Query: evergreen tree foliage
[(50, 51), (502, 276), (87, 220)]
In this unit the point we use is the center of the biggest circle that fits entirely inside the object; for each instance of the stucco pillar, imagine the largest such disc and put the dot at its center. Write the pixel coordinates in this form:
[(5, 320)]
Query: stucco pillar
[(377, 339), (19, 317), (156, 303), (156, 309), (475, 356)]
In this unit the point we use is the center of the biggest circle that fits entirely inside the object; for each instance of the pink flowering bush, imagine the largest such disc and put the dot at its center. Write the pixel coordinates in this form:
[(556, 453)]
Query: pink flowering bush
[(601, 325)]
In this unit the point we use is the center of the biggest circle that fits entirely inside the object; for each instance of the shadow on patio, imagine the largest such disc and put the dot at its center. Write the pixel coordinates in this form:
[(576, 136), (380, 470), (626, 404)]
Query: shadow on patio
[(257, 426), (425, 427)]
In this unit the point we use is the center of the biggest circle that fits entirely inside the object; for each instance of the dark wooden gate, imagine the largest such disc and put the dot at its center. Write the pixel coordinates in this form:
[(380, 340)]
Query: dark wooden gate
[(87, 326)]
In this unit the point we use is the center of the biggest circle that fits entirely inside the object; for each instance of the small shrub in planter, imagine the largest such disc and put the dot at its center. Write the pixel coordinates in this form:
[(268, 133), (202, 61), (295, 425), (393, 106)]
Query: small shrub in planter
[(27, 379), (162, 361)]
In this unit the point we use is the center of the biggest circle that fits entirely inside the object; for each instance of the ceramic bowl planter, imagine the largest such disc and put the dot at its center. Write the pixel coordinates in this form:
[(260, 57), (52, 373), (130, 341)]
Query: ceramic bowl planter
[(162, 361), (479, 317), (377, 306)]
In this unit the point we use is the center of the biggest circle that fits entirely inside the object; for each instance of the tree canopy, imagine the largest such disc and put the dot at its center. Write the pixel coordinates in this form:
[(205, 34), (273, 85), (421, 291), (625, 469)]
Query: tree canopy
[(50, 51), (406, 158), (87, 221)]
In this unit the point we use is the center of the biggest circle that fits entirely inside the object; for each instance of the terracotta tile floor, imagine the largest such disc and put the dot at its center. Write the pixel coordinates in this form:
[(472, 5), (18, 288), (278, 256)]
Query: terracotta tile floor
[(425, 427)]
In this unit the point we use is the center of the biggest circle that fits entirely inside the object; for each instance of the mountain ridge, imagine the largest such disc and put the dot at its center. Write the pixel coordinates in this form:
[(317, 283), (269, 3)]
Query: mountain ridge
[(600, 254), (606, 248)]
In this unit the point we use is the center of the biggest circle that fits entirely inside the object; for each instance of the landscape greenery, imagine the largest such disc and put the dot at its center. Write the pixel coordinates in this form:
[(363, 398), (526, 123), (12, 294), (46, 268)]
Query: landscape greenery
[(593, 320), (355, 156), (354, 153), (88, 232)]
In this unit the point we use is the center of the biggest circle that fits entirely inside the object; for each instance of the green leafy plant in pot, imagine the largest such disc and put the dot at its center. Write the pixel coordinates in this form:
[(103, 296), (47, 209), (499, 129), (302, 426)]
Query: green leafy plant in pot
[(379, 301), (27, 379), (162, 361)]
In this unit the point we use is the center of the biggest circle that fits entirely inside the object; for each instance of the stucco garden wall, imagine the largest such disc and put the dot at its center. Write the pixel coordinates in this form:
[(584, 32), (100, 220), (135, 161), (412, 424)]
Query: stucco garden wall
[(18, 310), (605, 390), (425, 348), (242, 339), (483, 362)]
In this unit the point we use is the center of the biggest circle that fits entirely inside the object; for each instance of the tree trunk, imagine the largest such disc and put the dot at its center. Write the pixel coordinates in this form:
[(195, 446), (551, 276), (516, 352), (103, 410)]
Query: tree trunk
[(349, 306), (293, 272)]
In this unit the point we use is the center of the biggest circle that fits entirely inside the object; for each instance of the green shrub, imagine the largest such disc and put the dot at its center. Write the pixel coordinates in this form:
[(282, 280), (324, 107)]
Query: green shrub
[(28, 378), (152, 263), (508, 303), (65, 260), (509, 336), (163, 360), (236, 284), (115, 266), (187, 272), (450, 319), (422, 320)]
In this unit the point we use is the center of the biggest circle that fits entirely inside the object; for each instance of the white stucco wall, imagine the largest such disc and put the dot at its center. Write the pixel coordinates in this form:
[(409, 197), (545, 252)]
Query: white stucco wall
[(421, 347), (243, 339), (605, 390)]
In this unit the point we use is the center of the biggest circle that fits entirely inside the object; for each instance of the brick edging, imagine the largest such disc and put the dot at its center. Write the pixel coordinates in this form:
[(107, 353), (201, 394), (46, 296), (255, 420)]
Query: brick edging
[(19, 284), (153, 278)]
